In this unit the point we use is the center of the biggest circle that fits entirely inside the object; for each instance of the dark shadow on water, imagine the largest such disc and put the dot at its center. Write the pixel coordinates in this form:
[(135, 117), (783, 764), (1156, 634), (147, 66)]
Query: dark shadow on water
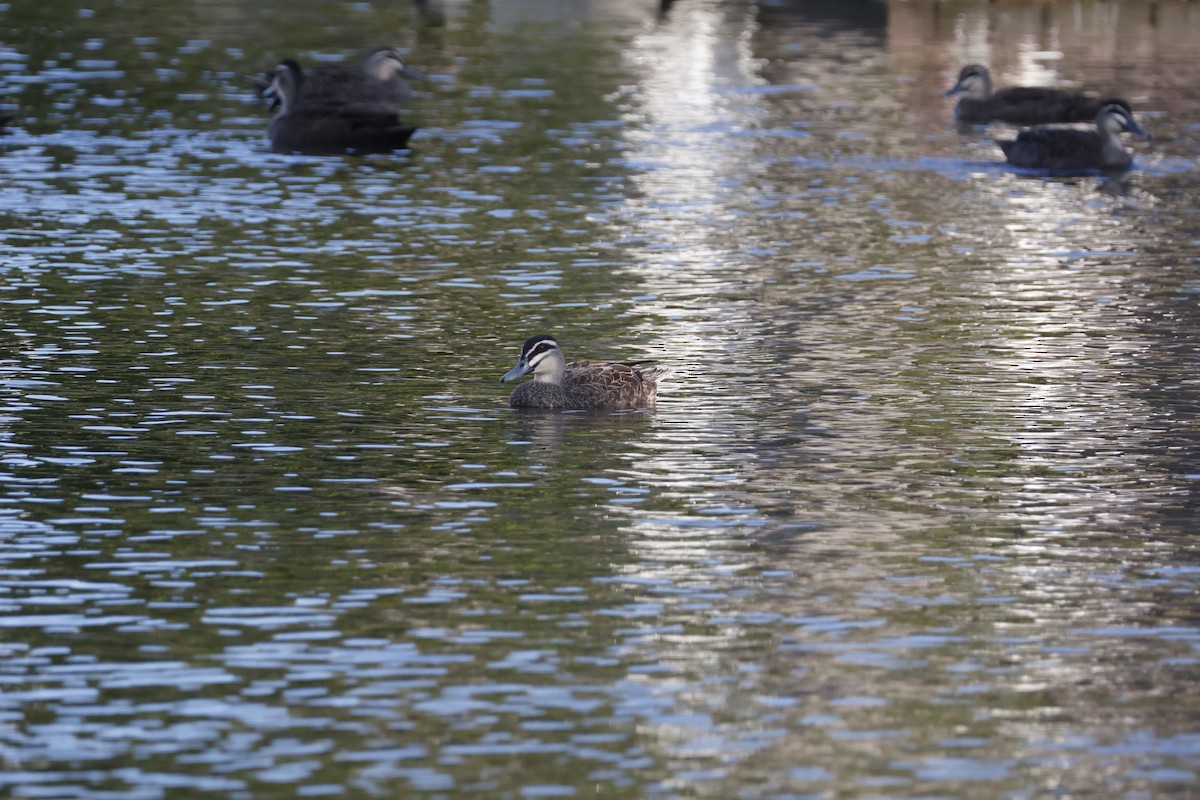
[(865, 15)]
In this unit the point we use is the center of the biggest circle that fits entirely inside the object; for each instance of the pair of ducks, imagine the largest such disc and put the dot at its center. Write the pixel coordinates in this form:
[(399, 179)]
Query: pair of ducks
[(337, 108), (1043, 146)]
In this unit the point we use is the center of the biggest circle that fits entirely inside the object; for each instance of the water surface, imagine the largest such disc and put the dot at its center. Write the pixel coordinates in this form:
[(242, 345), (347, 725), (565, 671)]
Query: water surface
[(914, 516)]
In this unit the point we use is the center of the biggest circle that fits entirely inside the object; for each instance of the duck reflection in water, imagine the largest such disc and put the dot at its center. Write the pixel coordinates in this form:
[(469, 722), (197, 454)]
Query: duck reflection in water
[(328, 125), (1063, 149), (1020, 105), (579, 384)]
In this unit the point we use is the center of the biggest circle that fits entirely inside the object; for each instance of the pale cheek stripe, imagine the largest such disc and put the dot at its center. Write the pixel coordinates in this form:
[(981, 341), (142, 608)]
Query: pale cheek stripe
[(539, 352)]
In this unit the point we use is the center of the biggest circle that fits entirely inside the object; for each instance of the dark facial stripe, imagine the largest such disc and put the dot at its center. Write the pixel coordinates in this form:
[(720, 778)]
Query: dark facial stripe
[(540, 349), (1119, 112)]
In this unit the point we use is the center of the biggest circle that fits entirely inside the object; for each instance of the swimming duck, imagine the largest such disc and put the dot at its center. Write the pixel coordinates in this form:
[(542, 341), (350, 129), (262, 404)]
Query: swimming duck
[(580, 384), (322, 126), (1021, 105), (381, 79), (1056, 148)]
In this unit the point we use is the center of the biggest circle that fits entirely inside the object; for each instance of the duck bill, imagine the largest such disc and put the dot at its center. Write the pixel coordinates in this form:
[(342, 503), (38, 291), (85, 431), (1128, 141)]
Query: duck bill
[(520, 369), (412, 74), (1138, 130), (955, 89)]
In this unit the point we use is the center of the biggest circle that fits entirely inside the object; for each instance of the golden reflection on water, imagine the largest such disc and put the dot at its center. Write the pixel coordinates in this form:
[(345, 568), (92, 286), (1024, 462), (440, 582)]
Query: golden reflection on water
[(1048, 331), (679, 225), (1060, 331), (1141, 51), (682, 115)]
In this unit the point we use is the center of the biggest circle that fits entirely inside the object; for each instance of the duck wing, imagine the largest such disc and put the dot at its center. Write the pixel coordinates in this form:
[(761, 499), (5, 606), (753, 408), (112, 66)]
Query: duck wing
[(356, 114), (619, 384), (327, 127), (1028, 105), (349, 83), (1046, 147)]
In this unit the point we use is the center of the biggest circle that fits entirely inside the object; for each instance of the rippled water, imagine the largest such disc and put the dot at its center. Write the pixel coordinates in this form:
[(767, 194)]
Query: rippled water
[(915, 516)]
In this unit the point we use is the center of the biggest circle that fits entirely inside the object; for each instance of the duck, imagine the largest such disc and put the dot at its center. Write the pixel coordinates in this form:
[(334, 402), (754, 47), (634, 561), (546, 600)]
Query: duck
[(383, 78), (1020, 105), (579, 384), (329, 125), (1063, 149)]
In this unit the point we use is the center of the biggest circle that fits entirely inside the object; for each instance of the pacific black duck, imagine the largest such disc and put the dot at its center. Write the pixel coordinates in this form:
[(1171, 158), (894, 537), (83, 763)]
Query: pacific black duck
[(381, 79), (580, 384), (1020, 105), (322, 126), (1056, 148)]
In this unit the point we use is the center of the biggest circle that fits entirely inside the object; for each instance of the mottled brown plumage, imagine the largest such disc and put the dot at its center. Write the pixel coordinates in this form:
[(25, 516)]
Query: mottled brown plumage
[(580, 384), (1020, 105)]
